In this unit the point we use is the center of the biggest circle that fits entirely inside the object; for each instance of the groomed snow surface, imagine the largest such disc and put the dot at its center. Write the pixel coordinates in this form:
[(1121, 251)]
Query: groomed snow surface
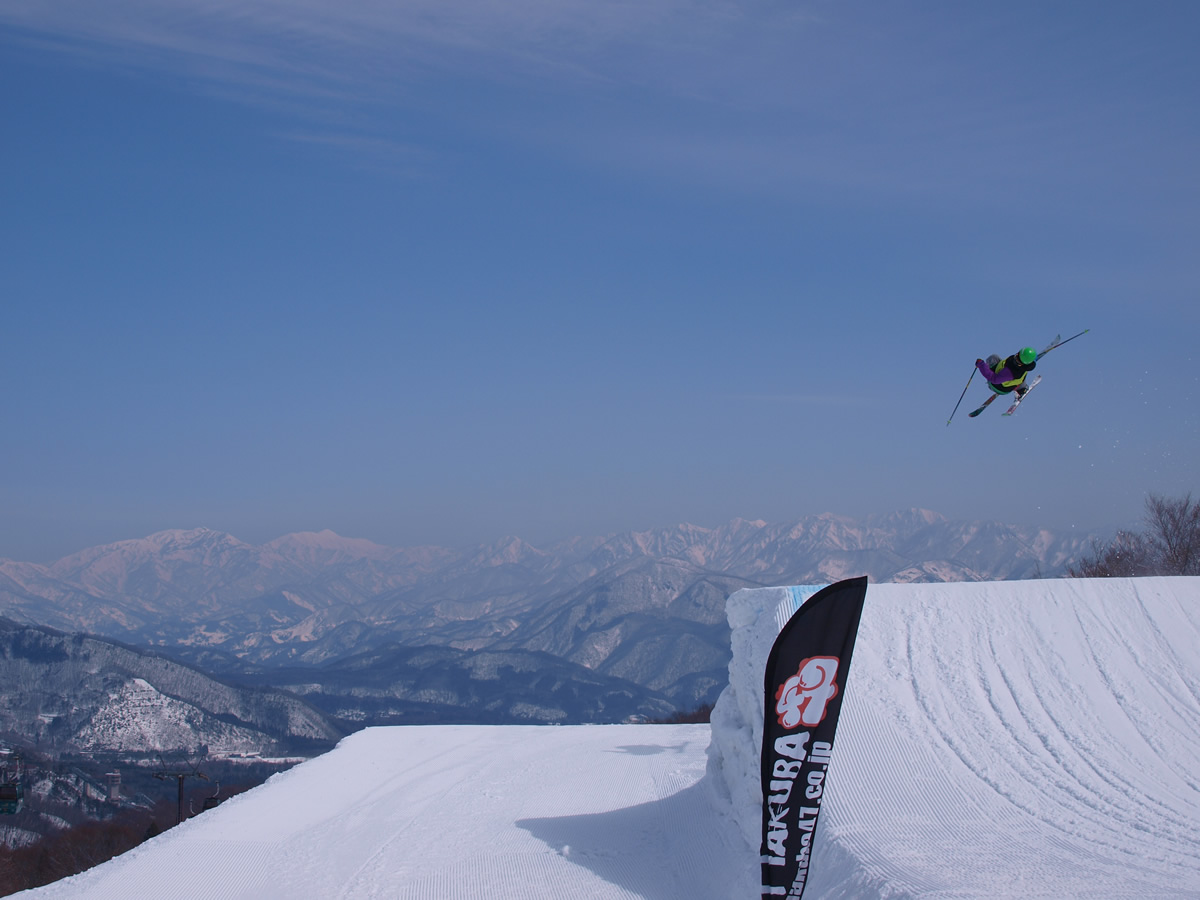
[(1016, 739)]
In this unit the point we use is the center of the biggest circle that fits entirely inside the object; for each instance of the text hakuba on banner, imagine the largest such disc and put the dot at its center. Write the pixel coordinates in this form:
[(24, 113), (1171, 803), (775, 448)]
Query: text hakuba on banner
[(805, 682)]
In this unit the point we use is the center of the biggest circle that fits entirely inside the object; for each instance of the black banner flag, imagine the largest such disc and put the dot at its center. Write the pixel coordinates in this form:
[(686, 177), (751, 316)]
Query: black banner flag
[(805, 683)]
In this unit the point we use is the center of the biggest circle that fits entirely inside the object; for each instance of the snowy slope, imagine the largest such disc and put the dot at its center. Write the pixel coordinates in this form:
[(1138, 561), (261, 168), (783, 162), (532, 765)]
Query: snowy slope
[(607, 811), (1018, 739)]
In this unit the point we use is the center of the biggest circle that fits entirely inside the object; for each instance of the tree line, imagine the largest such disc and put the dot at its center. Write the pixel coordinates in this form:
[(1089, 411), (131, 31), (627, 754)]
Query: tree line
[(78, 848), (1169, 544), (81, 845)]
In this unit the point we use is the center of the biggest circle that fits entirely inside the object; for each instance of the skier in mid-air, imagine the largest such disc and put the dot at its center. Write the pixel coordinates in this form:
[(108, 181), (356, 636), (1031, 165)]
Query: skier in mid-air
[(1007, 376)]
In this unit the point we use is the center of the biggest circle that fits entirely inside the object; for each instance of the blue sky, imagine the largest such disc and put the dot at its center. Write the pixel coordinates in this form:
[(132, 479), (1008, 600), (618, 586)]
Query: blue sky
[(438, 272)]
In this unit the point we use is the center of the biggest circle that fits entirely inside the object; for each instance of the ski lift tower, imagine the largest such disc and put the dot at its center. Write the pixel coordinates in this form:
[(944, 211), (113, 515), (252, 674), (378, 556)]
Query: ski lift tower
[(179, 777), (12, 786)]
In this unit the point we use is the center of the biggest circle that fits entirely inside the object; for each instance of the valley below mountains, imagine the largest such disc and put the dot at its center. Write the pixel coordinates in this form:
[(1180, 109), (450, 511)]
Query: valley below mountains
[(600, 629)]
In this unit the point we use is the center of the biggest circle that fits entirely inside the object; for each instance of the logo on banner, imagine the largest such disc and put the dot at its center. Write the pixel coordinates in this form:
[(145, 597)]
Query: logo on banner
[(804, 698)]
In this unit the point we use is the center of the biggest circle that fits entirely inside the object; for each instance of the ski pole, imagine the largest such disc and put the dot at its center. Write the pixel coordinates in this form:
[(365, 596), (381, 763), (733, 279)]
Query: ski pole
[(963, 394), (1060, 343)]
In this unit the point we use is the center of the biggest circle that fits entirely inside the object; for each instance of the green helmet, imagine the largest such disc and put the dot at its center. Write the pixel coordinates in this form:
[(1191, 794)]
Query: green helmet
[(1027, 355)]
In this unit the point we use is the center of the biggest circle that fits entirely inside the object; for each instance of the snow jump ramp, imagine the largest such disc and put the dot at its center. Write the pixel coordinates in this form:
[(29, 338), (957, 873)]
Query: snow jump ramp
[(1014, 739)]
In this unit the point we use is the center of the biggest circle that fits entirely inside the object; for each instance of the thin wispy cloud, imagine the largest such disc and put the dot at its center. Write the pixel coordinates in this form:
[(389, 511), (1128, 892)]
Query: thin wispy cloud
[(338, 64), (782, 398), (369, 40), (795, 93), (384, 155)]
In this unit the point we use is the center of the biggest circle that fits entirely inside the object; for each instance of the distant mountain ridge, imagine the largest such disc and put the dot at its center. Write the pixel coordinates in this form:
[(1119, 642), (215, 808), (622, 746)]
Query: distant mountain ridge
[(646, 607), (74, 694)]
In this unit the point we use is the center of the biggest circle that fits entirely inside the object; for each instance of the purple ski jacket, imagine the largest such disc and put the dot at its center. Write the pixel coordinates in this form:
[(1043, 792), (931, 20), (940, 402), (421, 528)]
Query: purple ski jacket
[(1006, 374)]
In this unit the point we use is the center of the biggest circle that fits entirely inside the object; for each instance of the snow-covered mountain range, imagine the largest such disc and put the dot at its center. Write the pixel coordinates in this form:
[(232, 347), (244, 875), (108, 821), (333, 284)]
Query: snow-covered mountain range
[(644, 607)]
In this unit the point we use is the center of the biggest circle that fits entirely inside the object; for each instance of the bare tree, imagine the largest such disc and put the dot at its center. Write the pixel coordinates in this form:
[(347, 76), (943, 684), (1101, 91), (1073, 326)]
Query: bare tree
[(1127, 555), (1174, 534), (1170, 545)]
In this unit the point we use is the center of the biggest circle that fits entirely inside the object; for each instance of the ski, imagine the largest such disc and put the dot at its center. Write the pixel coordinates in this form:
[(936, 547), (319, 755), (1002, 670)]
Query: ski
[(986, 404), (1021, 396)]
